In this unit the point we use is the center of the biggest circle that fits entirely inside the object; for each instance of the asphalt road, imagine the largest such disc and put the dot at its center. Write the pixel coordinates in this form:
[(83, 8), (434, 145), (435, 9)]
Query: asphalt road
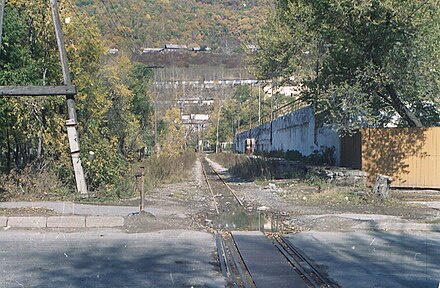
[(173, 258), (375, 258)]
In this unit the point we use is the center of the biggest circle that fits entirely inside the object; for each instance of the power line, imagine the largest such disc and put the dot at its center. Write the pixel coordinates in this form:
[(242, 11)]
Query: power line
[(120, 21), (114, 19), (108, 14), (114, 12), (118, 18), (80, 18)]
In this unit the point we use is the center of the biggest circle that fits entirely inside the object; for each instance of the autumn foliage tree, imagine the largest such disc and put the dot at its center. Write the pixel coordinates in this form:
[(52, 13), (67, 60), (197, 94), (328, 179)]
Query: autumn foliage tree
[(113, 105)]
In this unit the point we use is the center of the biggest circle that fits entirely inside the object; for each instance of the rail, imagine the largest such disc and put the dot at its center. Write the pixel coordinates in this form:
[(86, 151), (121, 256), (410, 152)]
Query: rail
[(234, 194), (305, 268)]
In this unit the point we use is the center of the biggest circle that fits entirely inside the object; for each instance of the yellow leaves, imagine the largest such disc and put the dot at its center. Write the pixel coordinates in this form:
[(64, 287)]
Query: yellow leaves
[(20, 3), (174, 140)]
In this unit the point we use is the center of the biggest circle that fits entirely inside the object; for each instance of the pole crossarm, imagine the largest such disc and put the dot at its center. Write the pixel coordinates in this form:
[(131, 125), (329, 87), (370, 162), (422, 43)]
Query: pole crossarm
[(38, 90)]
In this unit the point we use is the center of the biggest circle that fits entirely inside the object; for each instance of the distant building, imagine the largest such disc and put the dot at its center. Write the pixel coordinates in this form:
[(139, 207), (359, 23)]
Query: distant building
[(113, 51), (175, 47), (200, 117), (151, 50), (252, 48), (201, 49), (269, 90)]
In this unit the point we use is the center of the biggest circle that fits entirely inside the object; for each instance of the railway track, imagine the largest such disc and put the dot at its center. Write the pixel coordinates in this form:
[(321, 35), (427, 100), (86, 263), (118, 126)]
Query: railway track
[(301, 264), (241, 271), (224, 198)]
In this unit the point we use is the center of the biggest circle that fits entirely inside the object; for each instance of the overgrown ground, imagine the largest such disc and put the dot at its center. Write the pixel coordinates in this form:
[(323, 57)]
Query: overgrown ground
[(305, 195), (178, 197), (44, 185)]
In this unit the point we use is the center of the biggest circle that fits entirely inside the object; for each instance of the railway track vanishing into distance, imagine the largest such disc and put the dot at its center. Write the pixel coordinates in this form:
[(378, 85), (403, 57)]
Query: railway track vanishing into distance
[(241, 260)]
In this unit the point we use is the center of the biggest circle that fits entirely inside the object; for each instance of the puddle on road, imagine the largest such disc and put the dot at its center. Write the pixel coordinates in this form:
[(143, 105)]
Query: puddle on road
[(249, 221)]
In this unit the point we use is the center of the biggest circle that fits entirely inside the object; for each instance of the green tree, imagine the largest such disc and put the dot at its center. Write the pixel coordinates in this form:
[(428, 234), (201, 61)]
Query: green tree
[(362, 61)]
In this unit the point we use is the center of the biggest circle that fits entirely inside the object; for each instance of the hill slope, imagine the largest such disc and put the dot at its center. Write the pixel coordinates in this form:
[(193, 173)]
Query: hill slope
[(221, 25)]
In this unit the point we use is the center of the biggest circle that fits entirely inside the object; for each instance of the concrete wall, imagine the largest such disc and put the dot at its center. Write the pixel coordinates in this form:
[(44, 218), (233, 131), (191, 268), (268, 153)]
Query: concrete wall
[(293, 131)]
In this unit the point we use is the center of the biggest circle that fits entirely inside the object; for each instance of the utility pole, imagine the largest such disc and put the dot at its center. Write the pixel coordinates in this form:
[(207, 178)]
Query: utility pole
[(259, 103), (71, 123), (68, 90), (2, 10), (218, 124), (271, 100)]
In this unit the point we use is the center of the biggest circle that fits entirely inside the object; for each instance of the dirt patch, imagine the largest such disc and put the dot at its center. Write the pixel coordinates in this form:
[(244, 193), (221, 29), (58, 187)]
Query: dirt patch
[(188, 204), (7, 212), (294, 199)]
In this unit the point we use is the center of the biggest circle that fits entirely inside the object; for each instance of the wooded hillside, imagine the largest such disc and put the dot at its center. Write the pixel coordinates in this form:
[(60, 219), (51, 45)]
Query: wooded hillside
[(221, 25)]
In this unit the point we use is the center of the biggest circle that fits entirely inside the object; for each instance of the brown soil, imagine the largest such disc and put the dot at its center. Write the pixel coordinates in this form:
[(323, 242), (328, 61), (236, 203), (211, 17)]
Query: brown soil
[(190, 204), (27, 212)]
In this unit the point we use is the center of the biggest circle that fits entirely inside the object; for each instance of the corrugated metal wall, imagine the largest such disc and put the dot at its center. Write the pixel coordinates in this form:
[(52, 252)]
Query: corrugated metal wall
[(411, 156)]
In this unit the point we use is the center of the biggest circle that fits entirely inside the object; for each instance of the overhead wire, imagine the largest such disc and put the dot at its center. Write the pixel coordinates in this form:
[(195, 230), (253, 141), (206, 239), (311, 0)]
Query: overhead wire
[(114, 11), (114, 19), (111, 18), (80, 18), (119, 19)]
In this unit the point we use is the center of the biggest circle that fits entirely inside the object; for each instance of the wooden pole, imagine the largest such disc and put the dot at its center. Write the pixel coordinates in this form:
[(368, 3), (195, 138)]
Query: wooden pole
[(259, 104), (15, 91), (142, 206), (72, 121), (2, 10), (218, 124)]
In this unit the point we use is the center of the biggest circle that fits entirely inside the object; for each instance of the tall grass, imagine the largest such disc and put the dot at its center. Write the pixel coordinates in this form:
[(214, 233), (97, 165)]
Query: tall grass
[(244, 167), (165, 169)]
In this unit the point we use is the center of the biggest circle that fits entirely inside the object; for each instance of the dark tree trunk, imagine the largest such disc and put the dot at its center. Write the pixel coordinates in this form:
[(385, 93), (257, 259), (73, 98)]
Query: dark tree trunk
[(8, 154), (404, 112)]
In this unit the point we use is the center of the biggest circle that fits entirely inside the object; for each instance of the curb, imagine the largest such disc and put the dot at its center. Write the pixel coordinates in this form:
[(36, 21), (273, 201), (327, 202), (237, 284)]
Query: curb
[(62, 222)]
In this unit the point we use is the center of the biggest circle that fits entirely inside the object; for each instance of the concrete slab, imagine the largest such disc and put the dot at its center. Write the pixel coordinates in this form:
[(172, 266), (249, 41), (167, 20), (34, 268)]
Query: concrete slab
[(3, 221), (27, 222), (360, 217), (374, 258), (265, 263), (108, 258), (66, 222), (104, 221)]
